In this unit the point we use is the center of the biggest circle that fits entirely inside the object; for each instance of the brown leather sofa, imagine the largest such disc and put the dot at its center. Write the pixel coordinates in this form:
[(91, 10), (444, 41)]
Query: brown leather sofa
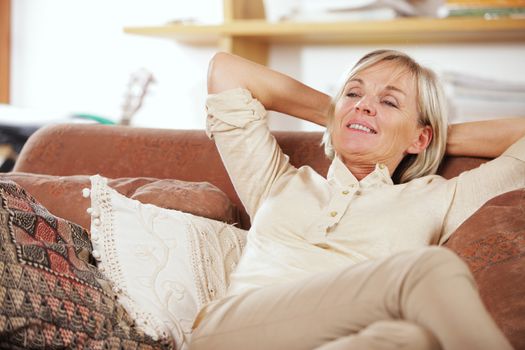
[(492, 241)]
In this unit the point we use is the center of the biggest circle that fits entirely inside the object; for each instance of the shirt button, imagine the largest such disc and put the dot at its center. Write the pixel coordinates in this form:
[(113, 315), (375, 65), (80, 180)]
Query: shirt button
[(352, 185), (381, 166), (345, 192), (333, 213)]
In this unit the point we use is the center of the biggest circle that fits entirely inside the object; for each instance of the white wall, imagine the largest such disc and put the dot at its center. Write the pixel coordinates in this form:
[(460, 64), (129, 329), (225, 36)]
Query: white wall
[(72, 56)]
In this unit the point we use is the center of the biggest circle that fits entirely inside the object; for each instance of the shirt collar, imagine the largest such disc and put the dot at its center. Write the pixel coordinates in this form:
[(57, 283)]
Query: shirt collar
[(340, 174)]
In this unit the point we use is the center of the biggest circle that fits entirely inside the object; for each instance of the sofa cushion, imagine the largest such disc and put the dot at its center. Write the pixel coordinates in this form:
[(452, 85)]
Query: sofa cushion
[(51, 297), (60, 195), (492, 242), (164, 264)]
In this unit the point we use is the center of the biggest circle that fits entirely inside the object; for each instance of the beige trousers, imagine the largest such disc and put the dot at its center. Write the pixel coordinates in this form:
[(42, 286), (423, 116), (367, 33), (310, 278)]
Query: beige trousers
[(425, 299)]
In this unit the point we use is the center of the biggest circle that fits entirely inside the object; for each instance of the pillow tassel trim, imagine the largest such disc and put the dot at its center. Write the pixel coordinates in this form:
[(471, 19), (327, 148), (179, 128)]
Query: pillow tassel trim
[(104, 245)]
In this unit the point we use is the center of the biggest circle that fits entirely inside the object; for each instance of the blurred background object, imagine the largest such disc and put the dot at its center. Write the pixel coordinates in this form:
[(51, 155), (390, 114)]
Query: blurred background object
[(489, 9), (136, 90), (474, 97), (341, 10)]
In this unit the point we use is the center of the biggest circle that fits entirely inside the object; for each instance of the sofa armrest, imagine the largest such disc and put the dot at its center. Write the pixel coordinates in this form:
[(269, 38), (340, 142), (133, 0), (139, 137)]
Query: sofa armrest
[(492, 242), (119, 151)]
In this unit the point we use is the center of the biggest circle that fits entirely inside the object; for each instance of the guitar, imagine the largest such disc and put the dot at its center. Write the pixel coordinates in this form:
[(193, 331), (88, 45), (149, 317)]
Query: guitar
[(136, 90)]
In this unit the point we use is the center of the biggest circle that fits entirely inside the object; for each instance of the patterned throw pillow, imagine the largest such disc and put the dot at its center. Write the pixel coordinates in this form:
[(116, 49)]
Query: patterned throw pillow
[(51, 297), (164, 264)]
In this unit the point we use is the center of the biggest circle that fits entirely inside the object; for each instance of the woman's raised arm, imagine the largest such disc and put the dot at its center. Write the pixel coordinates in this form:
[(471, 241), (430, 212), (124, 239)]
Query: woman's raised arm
[(488, 138), (276, 91)]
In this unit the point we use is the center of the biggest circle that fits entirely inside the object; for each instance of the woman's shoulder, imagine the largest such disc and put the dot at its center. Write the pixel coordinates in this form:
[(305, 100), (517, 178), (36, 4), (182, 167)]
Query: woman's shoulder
[(428, 182), (304, 174)]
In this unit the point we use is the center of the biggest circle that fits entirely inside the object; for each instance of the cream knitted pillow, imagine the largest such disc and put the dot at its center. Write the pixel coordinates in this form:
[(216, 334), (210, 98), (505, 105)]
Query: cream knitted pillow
[(164, 264)]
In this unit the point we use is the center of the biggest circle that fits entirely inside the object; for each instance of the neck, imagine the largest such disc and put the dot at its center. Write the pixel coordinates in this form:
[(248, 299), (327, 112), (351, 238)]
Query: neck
[(361, 169)]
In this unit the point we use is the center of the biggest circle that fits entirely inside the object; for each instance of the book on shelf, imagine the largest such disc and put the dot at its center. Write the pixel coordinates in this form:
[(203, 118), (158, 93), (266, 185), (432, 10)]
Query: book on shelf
[(486, 3), (487, 12), (485, 8)]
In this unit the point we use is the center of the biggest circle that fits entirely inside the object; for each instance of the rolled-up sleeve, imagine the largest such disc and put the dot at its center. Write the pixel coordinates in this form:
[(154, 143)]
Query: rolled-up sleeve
[(238, 125), (232, 109), (471, 189)]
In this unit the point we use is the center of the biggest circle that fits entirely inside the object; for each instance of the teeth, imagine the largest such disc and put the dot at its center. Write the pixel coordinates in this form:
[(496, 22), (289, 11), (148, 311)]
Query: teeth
[(362, 128)]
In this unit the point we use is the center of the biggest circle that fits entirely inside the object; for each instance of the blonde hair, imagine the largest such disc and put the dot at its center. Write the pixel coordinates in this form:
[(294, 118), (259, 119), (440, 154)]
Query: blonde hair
[(432, 110)]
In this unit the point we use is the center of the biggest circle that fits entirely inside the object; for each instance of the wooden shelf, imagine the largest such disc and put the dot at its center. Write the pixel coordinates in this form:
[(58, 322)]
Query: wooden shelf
[(245, 32), (409, 30)]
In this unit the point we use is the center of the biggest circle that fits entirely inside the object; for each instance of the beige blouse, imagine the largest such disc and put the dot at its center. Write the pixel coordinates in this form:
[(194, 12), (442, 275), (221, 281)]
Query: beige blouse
[(303, 223)]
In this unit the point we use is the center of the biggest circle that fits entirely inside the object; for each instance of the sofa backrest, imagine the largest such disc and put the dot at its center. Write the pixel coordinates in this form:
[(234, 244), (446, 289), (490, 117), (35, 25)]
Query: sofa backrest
[(119, 151)]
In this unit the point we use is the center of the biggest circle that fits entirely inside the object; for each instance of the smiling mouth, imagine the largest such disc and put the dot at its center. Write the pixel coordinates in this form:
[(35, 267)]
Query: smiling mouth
[(361, 127)]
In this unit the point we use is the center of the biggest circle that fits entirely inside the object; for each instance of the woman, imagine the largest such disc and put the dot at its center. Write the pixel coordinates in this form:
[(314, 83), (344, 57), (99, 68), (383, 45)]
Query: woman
[(342, 262)]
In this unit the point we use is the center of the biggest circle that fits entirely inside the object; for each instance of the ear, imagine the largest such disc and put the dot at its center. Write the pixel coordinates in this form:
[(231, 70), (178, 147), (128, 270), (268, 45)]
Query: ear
[(421, 141)]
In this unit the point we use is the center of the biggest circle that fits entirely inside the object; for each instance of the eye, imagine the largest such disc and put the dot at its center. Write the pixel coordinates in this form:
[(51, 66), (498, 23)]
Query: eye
[(390, 102), (352, 94)]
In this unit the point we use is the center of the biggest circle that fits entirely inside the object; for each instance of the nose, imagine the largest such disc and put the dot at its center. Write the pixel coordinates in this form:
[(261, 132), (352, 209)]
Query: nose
[(366, 106)]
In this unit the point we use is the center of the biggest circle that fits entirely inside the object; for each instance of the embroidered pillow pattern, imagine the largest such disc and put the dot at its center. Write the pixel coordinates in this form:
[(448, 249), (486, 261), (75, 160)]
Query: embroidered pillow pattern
[(50, 295), (164, 264)]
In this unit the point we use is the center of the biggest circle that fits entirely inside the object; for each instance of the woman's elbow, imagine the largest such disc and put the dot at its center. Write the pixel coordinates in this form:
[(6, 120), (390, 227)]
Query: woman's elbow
[(217, 72)]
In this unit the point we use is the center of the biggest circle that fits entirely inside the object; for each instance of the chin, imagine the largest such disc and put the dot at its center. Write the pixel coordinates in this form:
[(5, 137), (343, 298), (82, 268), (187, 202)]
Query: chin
[(356, 147)]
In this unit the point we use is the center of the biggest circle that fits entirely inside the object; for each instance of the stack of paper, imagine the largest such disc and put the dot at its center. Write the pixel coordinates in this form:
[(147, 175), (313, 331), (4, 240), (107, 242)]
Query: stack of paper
[(477, 98), (340, 10)]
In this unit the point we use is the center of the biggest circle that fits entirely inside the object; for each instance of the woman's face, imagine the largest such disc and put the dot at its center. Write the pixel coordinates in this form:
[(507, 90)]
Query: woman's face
[(376, 117)]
